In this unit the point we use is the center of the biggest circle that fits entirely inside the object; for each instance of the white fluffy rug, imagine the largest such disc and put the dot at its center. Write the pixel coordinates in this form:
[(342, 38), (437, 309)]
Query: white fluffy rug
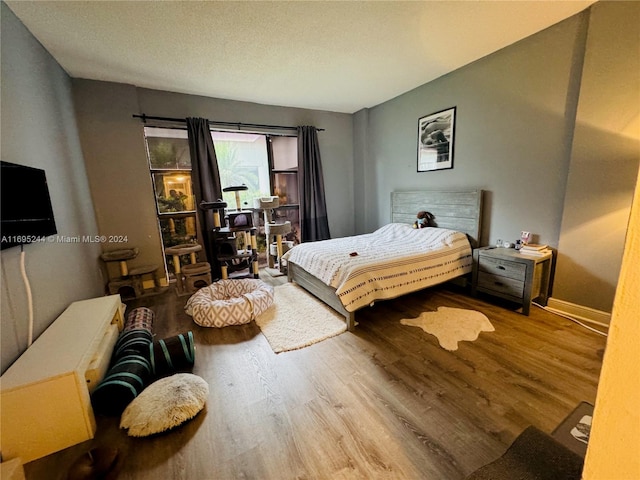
[(297, 319), (451, 325), (165, 404)]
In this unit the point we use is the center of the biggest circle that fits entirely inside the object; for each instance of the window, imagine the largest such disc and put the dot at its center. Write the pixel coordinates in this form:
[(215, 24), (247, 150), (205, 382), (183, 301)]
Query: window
[(284, 172), (170, 165), (242, 160), (266, 164)]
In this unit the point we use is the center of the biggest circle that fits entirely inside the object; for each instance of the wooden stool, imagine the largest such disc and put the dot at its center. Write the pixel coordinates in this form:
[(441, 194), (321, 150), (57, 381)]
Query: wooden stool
[(196, 276)]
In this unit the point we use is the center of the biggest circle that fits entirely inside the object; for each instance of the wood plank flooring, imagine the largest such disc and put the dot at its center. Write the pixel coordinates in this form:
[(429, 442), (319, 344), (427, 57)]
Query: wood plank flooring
[(382, 402)]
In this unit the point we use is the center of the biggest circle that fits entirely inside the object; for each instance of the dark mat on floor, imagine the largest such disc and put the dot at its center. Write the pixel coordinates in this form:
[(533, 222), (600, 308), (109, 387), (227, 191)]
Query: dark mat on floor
[(574, 430), (534, 455)]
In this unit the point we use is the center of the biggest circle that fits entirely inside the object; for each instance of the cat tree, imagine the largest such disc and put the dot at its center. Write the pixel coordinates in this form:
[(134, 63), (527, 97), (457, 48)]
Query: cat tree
[(272, 230), (130, 278)]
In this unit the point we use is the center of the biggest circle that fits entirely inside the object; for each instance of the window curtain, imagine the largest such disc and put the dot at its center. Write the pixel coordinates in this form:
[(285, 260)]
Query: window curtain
[(313, 210), (206, 183)]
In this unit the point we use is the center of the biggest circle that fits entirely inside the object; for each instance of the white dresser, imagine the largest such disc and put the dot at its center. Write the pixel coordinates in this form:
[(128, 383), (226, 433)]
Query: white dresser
[(45, 394)]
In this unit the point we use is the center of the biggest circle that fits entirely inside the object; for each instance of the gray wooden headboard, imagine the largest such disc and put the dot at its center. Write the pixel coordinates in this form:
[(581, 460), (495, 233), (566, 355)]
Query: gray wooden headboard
[(458, 210)]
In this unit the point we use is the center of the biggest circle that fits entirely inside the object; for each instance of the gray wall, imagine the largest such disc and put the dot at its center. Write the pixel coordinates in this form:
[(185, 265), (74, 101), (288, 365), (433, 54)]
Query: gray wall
[(516, 115), (604, 158), (117, 168), (336, 141), (114, 150), (361, 173), (510, 136), (39, 130)]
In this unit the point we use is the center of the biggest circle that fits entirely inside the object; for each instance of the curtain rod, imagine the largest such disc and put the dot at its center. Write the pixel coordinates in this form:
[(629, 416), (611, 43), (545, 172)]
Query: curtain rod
[(145, 117)]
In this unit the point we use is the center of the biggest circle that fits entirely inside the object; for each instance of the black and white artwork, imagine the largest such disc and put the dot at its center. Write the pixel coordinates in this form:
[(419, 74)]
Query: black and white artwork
[(435, 140)]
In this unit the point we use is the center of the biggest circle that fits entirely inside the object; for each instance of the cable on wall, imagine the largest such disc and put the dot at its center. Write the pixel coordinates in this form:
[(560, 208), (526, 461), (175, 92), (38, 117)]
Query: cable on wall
[(27, 287)]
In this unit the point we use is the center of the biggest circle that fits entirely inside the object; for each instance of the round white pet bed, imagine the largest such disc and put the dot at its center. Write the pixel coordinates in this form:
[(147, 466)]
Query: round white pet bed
[(229, 302)]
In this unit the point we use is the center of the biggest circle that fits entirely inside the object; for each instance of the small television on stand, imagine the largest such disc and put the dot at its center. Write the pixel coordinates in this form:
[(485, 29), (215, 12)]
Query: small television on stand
[(26, 214)]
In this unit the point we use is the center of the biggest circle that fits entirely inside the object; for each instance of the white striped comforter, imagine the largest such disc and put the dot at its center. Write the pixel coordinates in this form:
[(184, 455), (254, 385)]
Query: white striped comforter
[(392, 261)]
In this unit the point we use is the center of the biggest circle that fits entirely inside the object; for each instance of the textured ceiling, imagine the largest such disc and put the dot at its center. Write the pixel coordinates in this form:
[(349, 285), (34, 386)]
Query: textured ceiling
[(337, 56)]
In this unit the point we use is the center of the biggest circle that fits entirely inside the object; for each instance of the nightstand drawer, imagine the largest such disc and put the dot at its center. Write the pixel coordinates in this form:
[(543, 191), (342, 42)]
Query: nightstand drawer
[(506, 273), (503, 268), (500, 284)]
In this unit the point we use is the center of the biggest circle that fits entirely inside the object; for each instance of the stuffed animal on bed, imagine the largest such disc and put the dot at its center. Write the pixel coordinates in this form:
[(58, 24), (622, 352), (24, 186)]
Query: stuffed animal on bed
[(424, 219)]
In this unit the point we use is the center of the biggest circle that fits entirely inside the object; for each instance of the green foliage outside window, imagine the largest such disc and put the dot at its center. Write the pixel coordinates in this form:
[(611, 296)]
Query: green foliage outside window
[(169, 153), (234, 172)]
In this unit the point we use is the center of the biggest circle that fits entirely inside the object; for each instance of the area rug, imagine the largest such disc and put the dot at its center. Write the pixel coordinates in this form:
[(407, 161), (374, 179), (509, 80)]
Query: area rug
[(451, 325), (534, 455), (297, 319), (573, 432)]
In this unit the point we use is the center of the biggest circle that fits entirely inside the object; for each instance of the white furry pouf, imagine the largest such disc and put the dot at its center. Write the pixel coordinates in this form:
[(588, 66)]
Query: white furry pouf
[(165, 404)]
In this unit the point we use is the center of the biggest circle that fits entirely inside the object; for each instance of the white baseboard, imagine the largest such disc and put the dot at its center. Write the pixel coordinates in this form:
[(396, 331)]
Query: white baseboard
[(579, 312)]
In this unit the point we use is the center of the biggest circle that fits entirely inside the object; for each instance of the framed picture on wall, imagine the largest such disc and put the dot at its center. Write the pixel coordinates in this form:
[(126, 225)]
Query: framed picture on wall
[(435, 140)]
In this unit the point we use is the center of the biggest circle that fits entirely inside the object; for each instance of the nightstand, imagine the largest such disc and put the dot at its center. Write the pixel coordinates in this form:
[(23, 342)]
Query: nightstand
[(514, 276)]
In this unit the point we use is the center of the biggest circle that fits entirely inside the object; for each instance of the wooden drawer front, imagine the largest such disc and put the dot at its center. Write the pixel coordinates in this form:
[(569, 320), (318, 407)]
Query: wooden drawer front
[(503, 268), (503, 285)]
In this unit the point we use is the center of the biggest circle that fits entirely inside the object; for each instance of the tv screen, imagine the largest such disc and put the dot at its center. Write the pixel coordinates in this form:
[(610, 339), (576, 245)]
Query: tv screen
[(26, 214)]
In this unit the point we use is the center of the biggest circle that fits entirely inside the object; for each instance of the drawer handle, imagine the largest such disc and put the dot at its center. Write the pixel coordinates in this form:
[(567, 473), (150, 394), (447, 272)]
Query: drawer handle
[(500, 267), (500, 284)]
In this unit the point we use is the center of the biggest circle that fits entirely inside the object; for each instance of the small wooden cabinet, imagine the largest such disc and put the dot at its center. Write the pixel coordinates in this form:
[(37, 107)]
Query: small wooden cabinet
[(514, 276), (45, 394)]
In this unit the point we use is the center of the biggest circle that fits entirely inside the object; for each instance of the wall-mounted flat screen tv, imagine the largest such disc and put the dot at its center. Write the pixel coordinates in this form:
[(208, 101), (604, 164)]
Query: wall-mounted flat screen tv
[(26, 214)]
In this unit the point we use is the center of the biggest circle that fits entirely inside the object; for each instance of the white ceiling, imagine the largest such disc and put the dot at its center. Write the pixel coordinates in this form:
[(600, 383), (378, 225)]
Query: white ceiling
[(327, 55)]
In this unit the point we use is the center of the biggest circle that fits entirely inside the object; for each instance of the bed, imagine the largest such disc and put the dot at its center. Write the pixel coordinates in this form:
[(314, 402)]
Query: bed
[(353, 272)]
